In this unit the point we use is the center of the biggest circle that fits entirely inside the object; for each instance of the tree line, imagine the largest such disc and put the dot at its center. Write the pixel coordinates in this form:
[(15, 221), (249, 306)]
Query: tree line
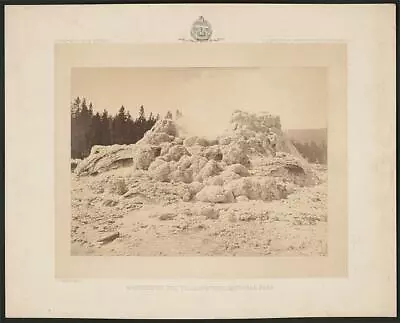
[(314, 153), (89, 128)]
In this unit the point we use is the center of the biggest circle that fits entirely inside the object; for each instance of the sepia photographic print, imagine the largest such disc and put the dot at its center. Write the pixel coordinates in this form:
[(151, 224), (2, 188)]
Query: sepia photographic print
[(199, 161)]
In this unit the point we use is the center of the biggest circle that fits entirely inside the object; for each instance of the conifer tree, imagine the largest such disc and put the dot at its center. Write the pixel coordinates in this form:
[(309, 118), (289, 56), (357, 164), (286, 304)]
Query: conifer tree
[(178, 114), (89, 127), (168, 115), (96, 130)]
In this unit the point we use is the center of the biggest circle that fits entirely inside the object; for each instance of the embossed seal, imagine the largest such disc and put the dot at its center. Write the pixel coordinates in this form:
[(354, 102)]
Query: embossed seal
[(201, 30)]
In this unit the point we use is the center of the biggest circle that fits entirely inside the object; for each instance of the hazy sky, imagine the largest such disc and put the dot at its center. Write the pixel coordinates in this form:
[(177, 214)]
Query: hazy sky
[(297, 94)]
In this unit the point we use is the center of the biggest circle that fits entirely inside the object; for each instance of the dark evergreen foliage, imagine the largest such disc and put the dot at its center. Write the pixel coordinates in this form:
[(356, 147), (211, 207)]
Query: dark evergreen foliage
[(89, 128)]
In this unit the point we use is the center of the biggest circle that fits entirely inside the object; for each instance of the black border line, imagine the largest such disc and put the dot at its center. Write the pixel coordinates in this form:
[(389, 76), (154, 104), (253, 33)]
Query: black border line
[(97, 2), (4, 3)]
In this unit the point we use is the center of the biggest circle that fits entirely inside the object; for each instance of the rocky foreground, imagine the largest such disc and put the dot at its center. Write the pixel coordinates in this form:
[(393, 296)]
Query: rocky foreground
[(246, 193)]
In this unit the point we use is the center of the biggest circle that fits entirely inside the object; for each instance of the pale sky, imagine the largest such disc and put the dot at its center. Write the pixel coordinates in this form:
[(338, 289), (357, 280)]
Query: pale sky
[(297, 94)]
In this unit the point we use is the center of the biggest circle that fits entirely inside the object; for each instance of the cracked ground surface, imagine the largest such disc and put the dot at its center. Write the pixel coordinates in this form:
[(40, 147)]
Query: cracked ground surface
[(152, 220)]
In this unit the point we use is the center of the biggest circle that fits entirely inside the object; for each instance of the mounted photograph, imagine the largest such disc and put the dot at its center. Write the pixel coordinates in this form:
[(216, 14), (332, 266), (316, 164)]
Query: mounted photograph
[(240, 157)]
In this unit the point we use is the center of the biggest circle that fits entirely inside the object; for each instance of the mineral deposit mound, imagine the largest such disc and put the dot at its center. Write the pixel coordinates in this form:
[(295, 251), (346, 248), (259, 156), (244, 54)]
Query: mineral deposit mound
[(172, 193)]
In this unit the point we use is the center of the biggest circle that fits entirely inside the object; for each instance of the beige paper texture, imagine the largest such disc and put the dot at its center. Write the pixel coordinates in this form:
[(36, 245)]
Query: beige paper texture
[(331, 57), (360, 267)]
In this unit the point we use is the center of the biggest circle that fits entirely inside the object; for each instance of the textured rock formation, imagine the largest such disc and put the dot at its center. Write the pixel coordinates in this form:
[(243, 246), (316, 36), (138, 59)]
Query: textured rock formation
[(104, 158), (251, 160)]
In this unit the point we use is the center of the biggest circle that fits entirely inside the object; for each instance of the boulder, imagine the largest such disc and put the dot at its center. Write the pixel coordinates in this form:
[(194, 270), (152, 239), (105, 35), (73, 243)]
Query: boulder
[(173, 165), (109, 237), (240, 187), (235, 153), (197, 163), (196, 150), (165, 147), (287, 168), (178, 175), (160, 170), (195, 187), (216, 180), (211, 168), (261, 188), (215, 194), (238, 169), (228, 176), (184, 162), (208, 212), (213, 152), (145, 155), (186, 197), (156, 163), (271, 189), (105, 158), (175, 153)]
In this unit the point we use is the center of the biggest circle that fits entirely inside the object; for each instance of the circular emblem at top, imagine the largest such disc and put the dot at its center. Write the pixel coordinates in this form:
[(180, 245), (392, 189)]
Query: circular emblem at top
[(201, 30)]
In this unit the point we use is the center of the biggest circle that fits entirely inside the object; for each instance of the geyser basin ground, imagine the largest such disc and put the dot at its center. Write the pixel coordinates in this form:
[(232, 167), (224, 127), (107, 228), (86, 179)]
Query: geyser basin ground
[(247, 192)]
